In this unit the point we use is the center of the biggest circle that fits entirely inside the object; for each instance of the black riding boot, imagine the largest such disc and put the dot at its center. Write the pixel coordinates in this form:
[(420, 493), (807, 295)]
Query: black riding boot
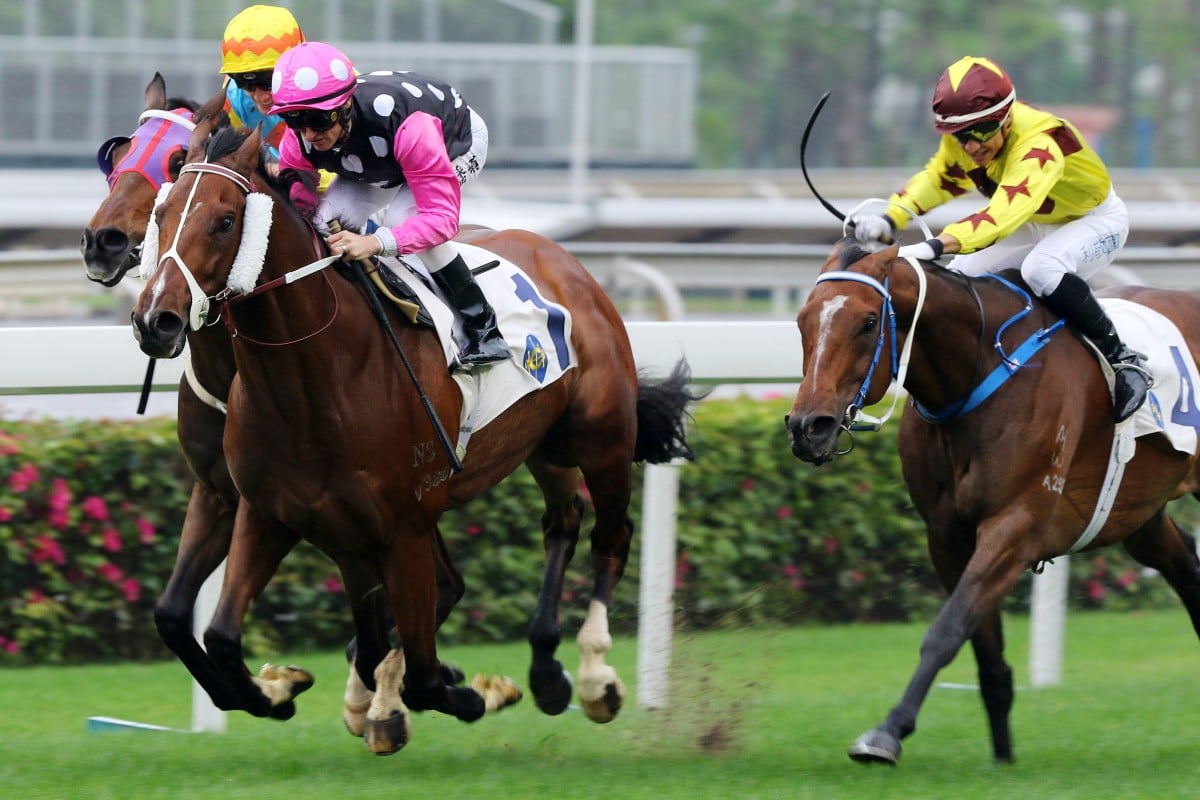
[(1073, 301), (485, 345)]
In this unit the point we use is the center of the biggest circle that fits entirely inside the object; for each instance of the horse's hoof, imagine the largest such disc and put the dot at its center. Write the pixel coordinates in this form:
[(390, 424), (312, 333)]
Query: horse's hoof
[(283, 711), (452, 675), (498, 691), (386, 736), (297, 680), (355, 721), (605, 708), (551, 695), (876, 747)]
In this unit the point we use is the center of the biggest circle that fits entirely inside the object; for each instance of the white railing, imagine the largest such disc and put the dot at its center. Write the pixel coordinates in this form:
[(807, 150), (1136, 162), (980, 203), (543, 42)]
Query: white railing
[(94, 359)]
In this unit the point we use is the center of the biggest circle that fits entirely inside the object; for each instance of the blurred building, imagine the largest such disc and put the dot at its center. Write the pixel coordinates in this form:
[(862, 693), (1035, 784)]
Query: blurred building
[(73, 73)]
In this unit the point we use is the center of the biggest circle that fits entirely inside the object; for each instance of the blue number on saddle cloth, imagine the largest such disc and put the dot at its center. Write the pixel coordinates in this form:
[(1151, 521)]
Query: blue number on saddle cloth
[(556, 324), (1185, 411)]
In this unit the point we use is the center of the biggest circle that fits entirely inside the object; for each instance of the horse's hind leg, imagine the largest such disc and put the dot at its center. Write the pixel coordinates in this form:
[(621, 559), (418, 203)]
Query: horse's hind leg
[(601, 692), (548, 680), (1160, 544), (372, 621)]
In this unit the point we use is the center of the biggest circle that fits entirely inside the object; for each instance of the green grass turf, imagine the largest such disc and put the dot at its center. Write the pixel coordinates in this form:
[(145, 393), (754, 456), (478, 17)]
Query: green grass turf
[(753, 714)]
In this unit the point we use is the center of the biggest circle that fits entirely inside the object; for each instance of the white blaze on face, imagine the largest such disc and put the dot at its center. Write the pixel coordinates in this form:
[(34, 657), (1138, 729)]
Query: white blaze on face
[(828, 309)]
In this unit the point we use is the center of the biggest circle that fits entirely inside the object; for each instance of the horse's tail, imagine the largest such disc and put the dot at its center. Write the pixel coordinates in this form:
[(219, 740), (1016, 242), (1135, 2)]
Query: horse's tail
[(662, 416)]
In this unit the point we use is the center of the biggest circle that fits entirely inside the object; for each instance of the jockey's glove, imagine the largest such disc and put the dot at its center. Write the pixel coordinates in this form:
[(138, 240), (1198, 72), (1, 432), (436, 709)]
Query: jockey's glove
[(928, 250), (869, 228)]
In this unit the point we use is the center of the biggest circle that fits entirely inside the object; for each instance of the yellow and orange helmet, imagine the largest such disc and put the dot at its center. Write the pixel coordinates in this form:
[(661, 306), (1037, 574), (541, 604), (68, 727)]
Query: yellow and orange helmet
[(256, 37)]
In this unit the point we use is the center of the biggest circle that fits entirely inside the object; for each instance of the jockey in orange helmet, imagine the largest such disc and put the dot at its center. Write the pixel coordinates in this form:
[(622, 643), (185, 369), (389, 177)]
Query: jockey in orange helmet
[(1051, 211)]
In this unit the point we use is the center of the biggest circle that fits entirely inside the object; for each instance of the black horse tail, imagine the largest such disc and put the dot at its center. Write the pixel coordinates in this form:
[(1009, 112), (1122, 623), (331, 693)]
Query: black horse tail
[(662, 417)]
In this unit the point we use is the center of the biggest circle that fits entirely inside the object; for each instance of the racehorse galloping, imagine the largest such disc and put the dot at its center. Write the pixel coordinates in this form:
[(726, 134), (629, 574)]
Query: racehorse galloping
[(328, 440), (1004, 447), (137, 166)]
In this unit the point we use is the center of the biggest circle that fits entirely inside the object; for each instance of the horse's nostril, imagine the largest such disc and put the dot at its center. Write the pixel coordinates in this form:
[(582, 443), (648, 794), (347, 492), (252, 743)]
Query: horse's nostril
[(112, 239)]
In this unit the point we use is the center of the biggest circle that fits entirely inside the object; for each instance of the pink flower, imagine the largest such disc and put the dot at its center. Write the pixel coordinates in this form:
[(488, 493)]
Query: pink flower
[(36, 597), (94, 507), (8, 445), (474, 529), (110, 540), (857, 576), (110, 572), (790, 570), (1095, 590), (60, 504), (5, 514), (145, 530), (747, 484), (131, 589), (799, 584), (784, 512), (830, 545), (23, 478), (332, 584), (47, 549), (1127, 579), (9, 646)]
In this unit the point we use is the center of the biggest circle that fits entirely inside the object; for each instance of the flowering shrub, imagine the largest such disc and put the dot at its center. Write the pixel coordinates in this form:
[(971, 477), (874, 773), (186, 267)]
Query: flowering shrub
[(90, 514)]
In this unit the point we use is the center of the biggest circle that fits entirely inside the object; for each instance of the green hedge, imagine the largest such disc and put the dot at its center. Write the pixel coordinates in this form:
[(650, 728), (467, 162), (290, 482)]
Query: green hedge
[(90, 513)]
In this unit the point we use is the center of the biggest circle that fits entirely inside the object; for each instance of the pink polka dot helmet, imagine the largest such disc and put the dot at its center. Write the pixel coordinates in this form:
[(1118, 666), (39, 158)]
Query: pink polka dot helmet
[(312, 75)]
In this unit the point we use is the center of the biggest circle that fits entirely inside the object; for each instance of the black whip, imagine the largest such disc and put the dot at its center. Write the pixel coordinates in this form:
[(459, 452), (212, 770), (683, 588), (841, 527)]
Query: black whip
[(360, 275), (804, 168)]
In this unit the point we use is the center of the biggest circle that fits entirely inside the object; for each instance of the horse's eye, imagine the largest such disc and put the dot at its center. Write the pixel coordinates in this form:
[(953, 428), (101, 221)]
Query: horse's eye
[(870, 324), (226, 223)]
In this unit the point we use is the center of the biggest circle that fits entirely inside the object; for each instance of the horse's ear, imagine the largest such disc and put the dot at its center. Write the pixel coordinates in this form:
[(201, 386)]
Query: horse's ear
[(156, 92), (247, 154), (197, 141), (212, 108)]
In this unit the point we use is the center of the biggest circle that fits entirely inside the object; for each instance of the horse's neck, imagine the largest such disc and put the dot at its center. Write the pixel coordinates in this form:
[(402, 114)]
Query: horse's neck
[(213, 363), (952, 350)]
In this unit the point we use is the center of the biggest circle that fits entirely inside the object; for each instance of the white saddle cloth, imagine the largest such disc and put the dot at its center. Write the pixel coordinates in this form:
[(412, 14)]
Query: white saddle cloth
[(538, 333), (1170, 407)]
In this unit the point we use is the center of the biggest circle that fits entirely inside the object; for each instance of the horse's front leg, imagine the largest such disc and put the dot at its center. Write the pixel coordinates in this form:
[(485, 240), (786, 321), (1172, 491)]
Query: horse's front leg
[(257, 548), (989, 576), (203, 544)]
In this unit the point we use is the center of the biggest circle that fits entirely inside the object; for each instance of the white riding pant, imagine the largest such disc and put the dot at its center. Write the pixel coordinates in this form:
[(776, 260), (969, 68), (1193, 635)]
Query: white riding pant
[(354, 202), (1044, 253)]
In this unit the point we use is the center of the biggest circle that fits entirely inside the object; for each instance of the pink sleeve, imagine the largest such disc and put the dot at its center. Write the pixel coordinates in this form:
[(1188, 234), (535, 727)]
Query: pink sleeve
[(421, 152), (291, 154)]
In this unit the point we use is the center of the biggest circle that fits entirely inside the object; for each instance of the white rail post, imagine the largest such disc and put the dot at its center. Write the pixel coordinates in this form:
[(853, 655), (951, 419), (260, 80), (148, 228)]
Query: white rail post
[(1047, 623), (206, 717), (656, 610)]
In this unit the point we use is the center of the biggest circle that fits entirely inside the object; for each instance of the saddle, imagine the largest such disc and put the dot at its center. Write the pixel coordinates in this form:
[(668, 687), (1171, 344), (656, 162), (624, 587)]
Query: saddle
[(389, 288)]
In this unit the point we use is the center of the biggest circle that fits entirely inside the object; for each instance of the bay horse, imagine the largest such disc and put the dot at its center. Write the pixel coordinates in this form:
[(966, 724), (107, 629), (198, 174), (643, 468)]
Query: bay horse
[(1007, 473), (330, 440), (137, 166)]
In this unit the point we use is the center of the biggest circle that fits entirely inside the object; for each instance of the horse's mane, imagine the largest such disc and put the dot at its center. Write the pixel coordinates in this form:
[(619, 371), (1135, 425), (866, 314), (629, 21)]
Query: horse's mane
[(852, 253), (182, 102), (225, 140)]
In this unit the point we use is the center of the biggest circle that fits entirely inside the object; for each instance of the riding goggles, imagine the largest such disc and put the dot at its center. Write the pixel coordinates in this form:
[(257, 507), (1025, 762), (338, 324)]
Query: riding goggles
[(980, 133), (249, 81), (315, 119)]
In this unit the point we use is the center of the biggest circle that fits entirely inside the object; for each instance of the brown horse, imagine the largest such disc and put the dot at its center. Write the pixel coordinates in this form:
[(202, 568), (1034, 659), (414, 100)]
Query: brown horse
[(137, 166), (330, 439), (1006, 476)]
